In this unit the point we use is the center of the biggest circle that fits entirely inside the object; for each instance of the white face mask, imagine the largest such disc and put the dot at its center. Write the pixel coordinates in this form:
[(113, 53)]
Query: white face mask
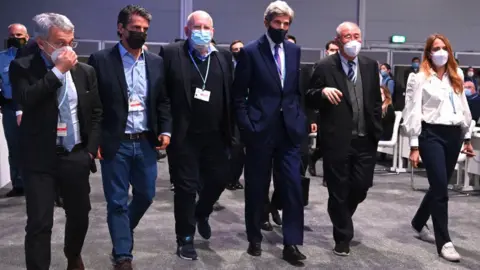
[(58, 51), (352, 48), (470, 74), (440, 58)]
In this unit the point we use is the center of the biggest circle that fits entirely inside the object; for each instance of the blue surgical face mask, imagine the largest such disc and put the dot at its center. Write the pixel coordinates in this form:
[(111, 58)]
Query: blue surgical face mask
[(201, 37), (384, 73), (415, 65), (467, 92)]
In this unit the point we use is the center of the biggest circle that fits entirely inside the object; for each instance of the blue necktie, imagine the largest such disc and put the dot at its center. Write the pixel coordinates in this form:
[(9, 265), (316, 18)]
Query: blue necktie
[(351, 73), (65, 116), (278, 61)]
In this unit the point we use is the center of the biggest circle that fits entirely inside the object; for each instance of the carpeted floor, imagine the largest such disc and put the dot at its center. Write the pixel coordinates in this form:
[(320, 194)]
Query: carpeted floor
[(383, 239)]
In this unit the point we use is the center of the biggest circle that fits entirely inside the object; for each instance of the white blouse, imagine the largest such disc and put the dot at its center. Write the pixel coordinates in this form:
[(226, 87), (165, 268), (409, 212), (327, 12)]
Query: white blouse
[(433, 100)]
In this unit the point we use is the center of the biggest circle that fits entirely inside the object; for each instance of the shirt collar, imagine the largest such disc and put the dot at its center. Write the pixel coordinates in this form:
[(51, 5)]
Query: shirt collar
[(272, 44), (345, 61), (124, 52), (196, 53)]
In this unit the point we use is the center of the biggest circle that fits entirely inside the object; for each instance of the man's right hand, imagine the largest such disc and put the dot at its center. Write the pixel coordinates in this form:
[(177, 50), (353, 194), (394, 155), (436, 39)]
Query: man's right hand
[(66, 60), (332, 94), (99, 154)]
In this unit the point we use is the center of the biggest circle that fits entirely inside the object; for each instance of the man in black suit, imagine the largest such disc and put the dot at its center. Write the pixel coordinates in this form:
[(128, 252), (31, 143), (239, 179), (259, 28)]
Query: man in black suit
[(198, 82), (344, 88), (59, 137), (137, 121)]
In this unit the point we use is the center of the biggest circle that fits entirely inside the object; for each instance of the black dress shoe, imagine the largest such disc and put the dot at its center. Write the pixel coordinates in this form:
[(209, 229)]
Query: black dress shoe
[(231, 187), (292, 255), (238, 186), (15, 192), (342, 249), (267, 226), (59, 201), (276, 217), (204, 228), (312, 170), (254, 249)]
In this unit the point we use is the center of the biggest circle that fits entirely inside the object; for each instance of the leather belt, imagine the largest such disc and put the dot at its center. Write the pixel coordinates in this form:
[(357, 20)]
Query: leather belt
[(134, 136), (61, 151)]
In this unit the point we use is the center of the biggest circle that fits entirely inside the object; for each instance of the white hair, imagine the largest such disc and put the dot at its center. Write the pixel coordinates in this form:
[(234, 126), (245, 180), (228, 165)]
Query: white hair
[(278, 8), (192, 15), (45, 21), (346, 24)]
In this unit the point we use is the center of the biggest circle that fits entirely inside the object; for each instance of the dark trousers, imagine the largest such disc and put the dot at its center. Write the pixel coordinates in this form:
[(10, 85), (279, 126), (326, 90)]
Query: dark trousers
[(72, 177), (10, 128), (258, 168), (135, 163), (439, 148), (348, 180), (237, 161), (200, 164), (170, 161)]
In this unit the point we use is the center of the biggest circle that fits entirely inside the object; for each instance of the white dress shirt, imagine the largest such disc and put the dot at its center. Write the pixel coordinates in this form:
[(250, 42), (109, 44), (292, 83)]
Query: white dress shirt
[(281, 53), (433, 100)]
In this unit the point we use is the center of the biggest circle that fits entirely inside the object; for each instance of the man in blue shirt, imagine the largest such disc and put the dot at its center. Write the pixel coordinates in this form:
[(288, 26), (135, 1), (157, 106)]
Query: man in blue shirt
[(11, 114)]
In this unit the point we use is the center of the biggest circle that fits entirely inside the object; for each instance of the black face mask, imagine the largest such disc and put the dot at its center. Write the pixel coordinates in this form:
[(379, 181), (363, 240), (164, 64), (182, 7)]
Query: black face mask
[(235, 55), (136, 39), (277, 35), (16, 42)]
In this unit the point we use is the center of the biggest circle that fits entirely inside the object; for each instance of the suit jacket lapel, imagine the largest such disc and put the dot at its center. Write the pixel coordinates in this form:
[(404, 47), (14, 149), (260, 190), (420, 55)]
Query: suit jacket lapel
[(290, 65), (340, 78), (80, 88), (267, 56), (185, 68), (363, 69), (225, 72), (117, 66)]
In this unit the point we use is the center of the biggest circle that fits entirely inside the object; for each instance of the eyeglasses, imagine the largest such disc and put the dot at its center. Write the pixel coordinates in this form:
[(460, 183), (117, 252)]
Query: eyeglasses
[(72, 44)]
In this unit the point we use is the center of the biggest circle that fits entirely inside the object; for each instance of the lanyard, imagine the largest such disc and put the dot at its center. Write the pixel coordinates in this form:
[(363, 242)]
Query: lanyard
[(200, 73), (453, 103)]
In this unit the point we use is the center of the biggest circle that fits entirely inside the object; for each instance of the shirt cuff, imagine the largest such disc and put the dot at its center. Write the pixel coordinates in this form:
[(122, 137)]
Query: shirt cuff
[(59, 74), (167, 134), (468, 136), (17, 113), (414, 141)]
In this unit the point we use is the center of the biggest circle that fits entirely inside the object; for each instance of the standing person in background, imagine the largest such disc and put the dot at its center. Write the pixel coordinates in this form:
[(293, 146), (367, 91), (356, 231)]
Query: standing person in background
[(272, 125), (387, 78), (344, 88), (199, 78), (11, 111), (237, 160), (56, 94), (137, 121), (437, 120)]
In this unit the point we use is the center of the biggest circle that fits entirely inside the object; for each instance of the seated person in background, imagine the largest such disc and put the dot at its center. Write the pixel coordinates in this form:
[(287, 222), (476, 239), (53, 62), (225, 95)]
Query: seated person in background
[(470, 76), (388, 114), (473, 99), (387, 77)]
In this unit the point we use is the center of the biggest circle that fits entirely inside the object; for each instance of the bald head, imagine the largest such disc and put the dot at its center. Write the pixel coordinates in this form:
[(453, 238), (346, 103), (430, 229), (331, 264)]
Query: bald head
[(349, 39), (17, 35), (200, 25)]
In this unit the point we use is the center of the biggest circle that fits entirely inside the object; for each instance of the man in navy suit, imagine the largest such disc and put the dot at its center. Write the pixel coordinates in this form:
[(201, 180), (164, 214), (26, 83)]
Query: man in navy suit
[(131, 84), (272, 125)]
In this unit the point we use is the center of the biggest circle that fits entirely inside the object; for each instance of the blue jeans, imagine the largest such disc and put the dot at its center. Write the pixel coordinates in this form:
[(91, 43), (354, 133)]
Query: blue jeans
[(135, 163), (10, 128)]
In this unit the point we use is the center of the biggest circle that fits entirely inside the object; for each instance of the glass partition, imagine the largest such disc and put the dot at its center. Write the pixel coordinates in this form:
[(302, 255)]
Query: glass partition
[(467, 59), (379, 55), (404, 57), (310, 55), (86, 47)]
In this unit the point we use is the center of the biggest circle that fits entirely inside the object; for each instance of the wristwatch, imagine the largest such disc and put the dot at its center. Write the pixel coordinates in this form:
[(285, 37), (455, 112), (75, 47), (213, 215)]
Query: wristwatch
[(467, 141), (414, 148)]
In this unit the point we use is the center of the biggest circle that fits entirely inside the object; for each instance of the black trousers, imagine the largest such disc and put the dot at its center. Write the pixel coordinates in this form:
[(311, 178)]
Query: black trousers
[(200, 164), (439, 148), (237, 161), (348, 180), (72, 178)]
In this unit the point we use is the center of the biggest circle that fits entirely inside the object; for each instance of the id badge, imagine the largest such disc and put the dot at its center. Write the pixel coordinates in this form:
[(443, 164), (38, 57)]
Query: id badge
[(202, 94), (134, 105), (61, 129)]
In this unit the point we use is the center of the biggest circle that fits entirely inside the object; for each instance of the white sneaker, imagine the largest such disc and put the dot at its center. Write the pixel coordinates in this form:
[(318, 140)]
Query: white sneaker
[(449, 253), (425, 234)]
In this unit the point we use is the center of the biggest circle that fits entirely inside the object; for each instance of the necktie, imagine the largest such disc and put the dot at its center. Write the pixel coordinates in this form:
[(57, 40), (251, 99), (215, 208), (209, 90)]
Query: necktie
[(65, 115), (278, 61), (351, 73)]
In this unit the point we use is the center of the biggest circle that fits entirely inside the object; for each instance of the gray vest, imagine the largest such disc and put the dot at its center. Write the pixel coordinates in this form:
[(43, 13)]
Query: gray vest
[(355, 89)]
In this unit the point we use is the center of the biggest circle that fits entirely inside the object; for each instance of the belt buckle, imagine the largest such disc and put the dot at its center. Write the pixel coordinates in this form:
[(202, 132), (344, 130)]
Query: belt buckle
[(134, 136)]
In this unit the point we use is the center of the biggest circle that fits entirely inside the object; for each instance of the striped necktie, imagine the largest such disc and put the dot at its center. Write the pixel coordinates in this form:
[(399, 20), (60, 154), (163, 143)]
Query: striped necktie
[(351, 72)]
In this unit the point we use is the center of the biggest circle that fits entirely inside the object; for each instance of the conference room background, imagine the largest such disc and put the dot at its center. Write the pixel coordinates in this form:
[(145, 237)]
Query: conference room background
[(315, 20)]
